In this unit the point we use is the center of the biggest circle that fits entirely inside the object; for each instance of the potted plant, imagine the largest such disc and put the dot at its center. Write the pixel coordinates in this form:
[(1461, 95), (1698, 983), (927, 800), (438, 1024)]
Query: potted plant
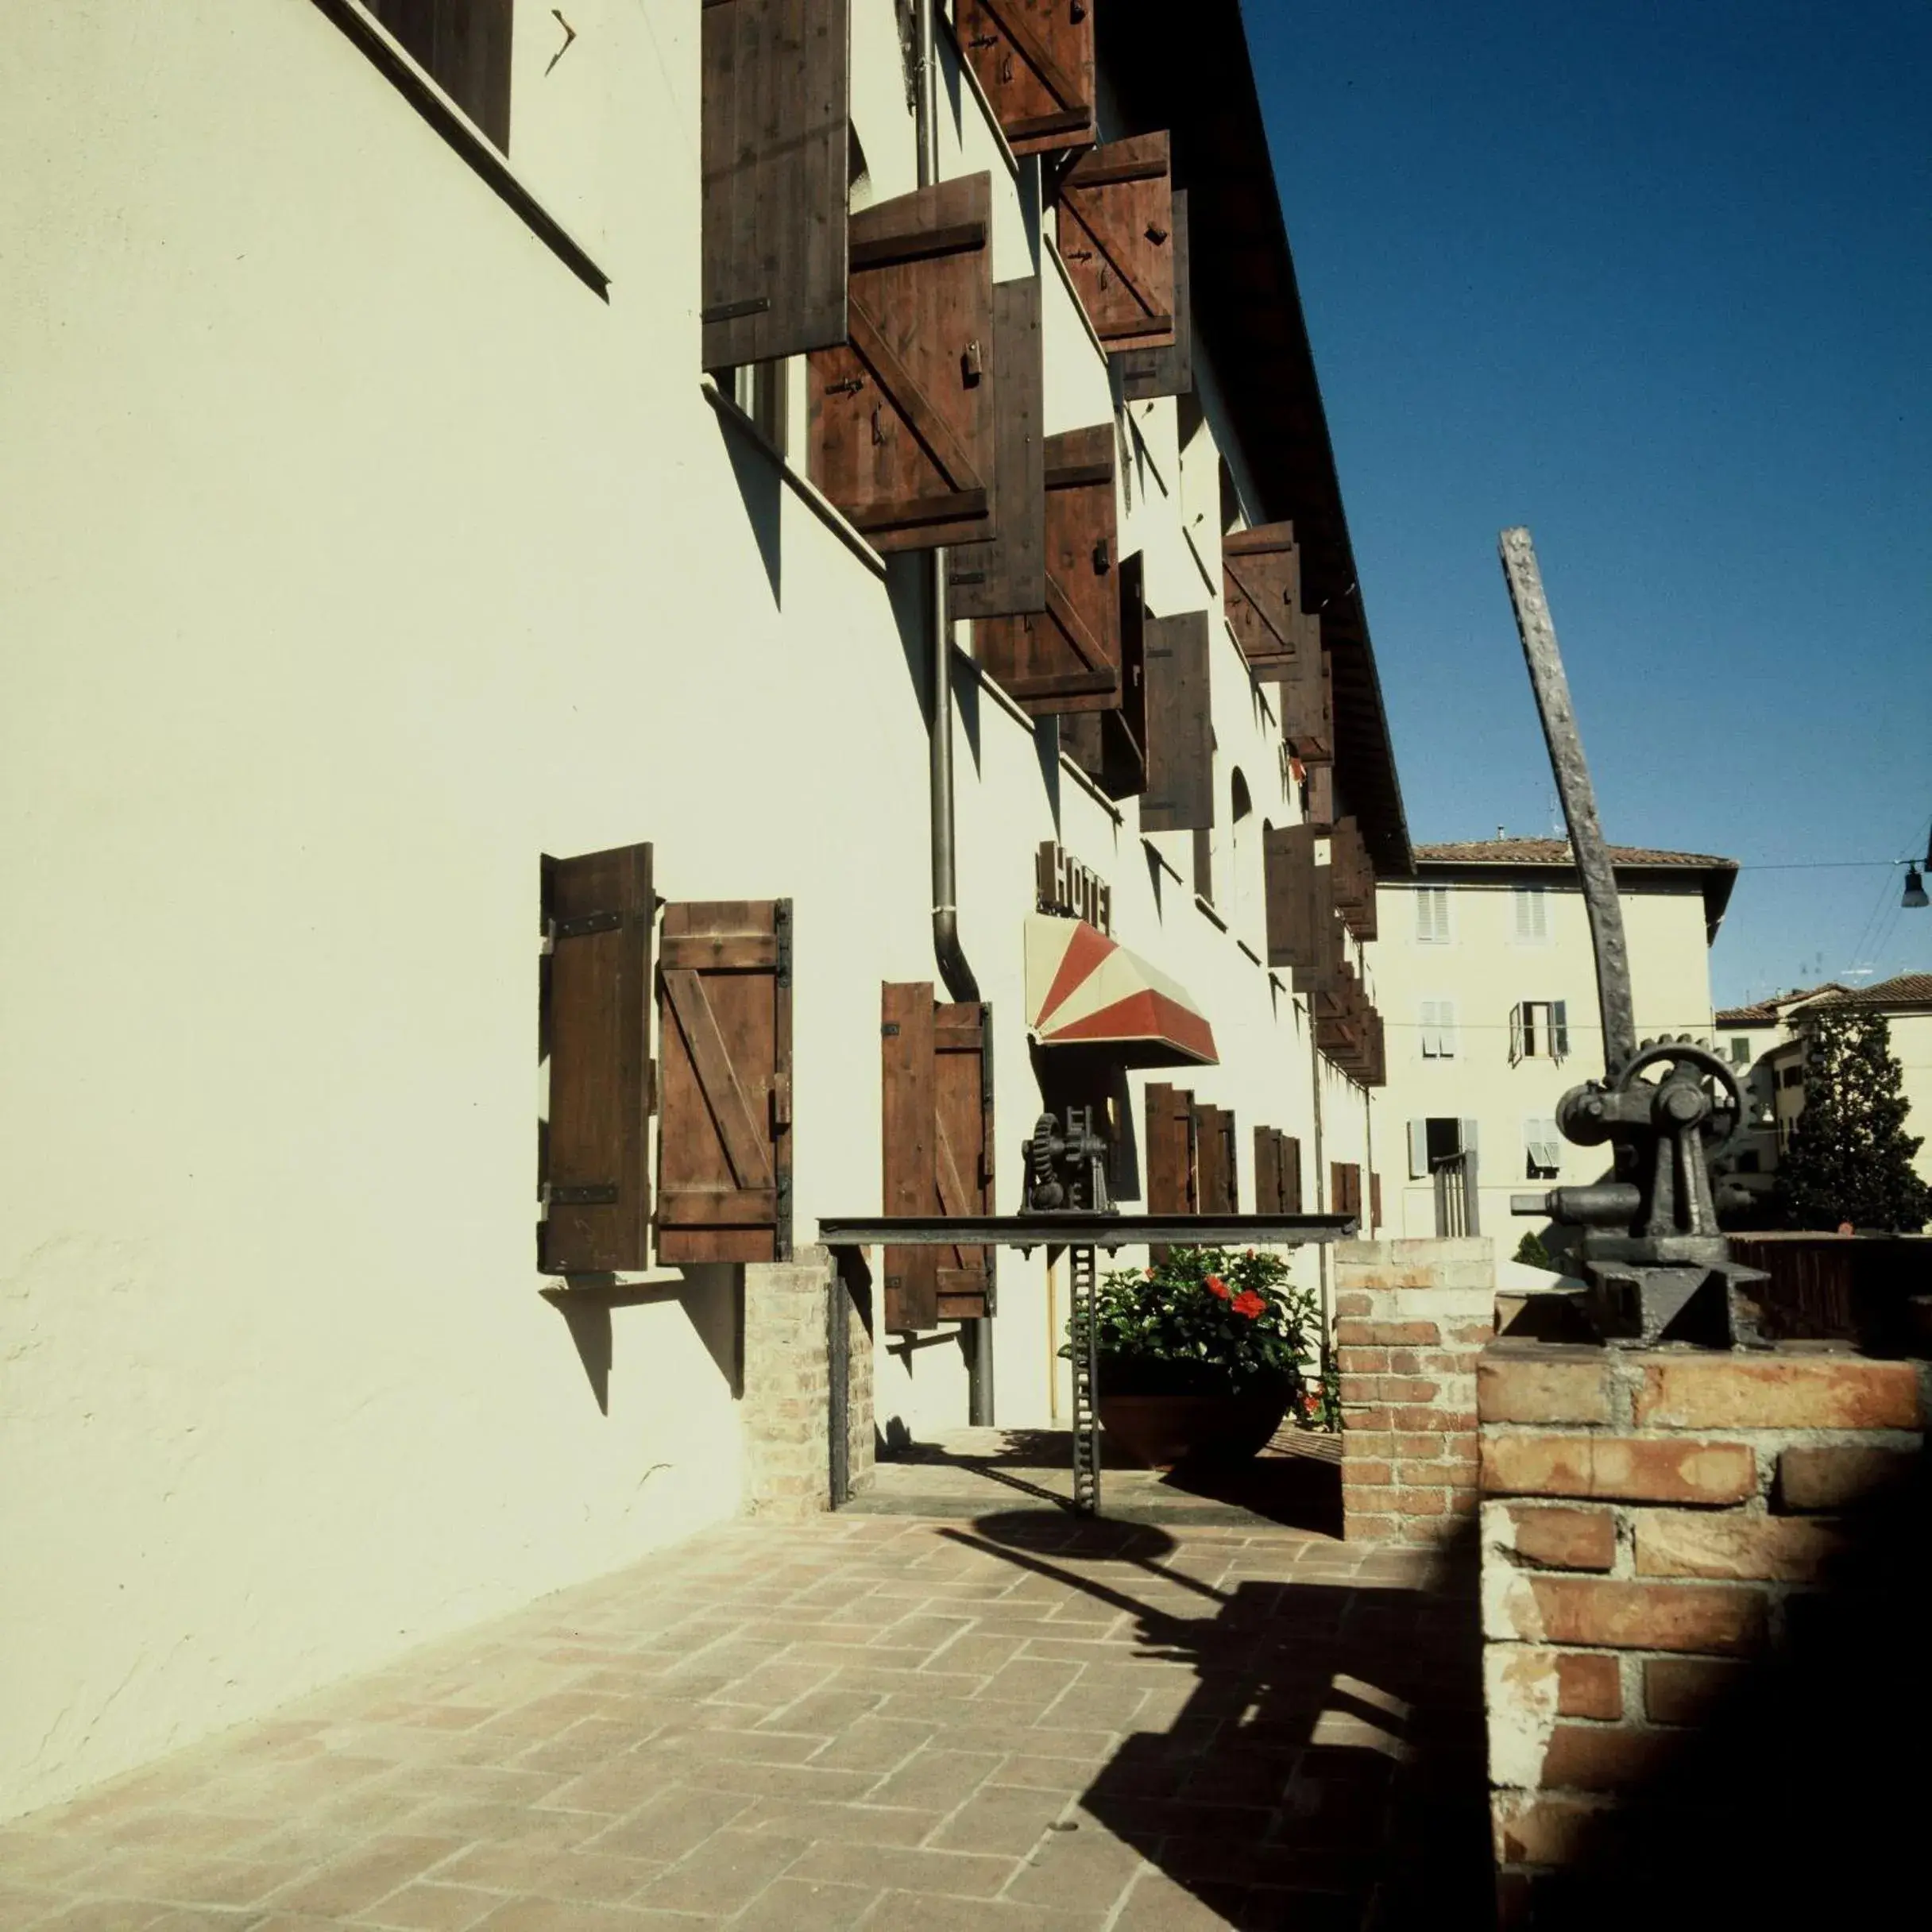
[(1201, 1353)]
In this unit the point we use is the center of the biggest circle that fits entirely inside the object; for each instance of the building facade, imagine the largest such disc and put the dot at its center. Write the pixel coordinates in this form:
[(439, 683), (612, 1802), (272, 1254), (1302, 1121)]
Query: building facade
[(1485, 978), (470, 746)]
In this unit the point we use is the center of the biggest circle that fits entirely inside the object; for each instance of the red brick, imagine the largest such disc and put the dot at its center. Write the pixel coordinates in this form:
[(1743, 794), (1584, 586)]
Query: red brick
[(1772, 1548), (1454, 1476), (1558, 1538), (1609, 1615), (1367, 1526), (1442, 1362), (1353, 1302), (1588, 1684), (1420, 1502), (1368, 1417), (1821, 1478), (1366, 1472), (1777, 1391), (1682, 1690), (1463, 1450), (1429, 1446), (1477, 1335), (1367, 1443), (1616, 1468), (1516, 1382), (1603, 1757), (1541, 1831), (1361, 1388), (1446, 1419), (1409, 1388), (1362, 1361), (1408, 1361), (1384, 1334)]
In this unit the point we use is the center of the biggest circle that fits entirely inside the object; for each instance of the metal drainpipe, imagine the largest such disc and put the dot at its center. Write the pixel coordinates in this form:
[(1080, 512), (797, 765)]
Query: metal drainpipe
[(953, 968), (1321, 1195)]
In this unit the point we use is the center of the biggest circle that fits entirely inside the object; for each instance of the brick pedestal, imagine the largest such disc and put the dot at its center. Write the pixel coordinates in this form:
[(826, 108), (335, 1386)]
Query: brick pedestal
[(1650, 1523), (1411, 1318), (784, 1410)]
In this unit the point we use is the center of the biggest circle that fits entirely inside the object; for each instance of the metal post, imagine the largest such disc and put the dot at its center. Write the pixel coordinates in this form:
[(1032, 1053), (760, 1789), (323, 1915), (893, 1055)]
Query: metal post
[(838, 1413), (1083, 1332)]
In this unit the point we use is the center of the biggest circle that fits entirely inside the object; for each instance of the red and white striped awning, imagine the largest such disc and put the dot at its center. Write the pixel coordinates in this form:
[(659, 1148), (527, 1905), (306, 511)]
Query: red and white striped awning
[(1084, 989)]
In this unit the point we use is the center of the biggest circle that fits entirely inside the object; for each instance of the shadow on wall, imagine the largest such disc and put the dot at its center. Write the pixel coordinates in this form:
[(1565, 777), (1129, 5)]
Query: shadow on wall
[(1801, 1797), (711, 1295), (755, 471)]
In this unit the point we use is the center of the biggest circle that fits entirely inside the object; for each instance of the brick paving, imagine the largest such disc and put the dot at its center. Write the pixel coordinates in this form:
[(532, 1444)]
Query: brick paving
[(1019, 1723)]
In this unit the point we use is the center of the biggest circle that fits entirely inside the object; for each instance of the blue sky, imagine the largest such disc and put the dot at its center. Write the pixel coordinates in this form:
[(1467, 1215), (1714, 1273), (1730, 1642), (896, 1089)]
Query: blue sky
[(1656, 281)]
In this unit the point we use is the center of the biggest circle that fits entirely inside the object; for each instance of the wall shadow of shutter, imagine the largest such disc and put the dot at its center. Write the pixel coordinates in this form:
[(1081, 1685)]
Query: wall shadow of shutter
[(1116, 236), (1035, 60), (593, 1027), (1007, 575), (903, 410), (1180, 794), (464, 45), (1146, 373), (725, 1060), (776, 107), (1067, 657)]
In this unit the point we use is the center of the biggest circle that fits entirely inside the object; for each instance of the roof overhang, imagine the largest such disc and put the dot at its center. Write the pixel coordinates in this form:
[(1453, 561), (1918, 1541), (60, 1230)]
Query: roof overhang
[(1085, 989), (1713, 882)]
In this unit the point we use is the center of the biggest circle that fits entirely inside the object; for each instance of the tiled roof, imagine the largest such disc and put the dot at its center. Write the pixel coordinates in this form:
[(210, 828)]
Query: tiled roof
[(1556, 852), (1748, 1016), (1768, 1012), (1905, 989)]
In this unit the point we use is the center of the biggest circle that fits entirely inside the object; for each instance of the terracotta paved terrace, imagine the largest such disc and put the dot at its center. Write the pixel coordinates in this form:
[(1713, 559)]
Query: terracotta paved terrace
[(1018, 1723)]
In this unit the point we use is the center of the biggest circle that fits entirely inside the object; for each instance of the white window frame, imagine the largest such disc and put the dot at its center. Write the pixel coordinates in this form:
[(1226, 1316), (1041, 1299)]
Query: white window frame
[(1438, 1029), (1535, 1026), (1543, 1147), (1437, 897), (1521, 899)]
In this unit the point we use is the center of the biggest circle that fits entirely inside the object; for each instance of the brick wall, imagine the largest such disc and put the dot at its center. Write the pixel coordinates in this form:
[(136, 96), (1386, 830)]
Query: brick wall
[(1411, 1317), (785, 1410), (1648, 1521)]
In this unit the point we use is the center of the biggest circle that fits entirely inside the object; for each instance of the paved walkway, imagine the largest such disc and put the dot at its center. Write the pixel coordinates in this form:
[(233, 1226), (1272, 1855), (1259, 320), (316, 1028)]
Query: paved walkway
[(1016, 1724)]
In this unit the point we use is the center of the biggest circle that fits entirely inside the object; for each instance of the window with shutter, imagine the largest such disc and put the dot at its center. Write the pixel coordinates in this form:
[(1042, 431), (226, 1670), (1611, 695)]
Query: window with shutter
[(1344, 1187), (1007, 575), (1354, 880), (1418, 1149), (464, 46), (902, 412), (724, 1054), (1146, 373), (1261, 583), (1291, 1174), (1067, 658), (593, 1028), (1542, 1148), (1318, 795), (1035, 60), (1214, 1139), (775, 112), (1307, 695), (1179, 793), (1169, 1155), (1433, 916), (1116, 236), (1532, 917), (1110, 747), (1277, 1171)]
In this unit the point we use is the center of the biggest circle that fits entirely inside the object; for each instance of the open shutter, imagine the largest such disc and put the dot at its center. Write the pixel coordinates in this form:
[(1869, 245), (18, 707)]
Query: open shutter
[(1291, 1174), (465, 47), (1418, 1149), (907, 1145), (903, 411), (1180, 794), (963, 1150), (1116, 236), (1261, 585), (1035, 58), (1067, 657), (725, 1053), (1375, 1202), (1560, 1029), (1287, 865), (1267, 1171), (594, 1027), (775, 113), (1319, 797), (1355, 879), (1168, 1156), (1111, 746), (1213, 1140), (1516, 1032), (1147, 372), (1008, 574), (1307, 695)]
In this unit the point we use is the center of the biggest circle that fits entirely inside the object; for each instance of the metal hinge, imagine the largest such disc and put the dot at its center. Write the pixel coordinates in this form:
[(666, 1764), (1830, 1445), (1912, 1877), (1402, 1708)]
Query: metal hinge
[(889, 1030), (585, 924), (781, 921), (597, 1194), (730, 311)]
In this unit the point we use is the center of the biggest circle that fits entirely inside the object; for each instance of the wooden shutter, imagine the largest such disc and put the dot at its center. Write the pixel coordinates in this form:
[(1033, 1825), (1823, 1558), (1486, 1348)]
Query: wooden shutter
[(1291, 1173), (1344, 1187), (1375, 1202), (1116, 236), (1355, 879), (775, 110), (911, 1272), (1035, 58), (1008, 574), (1180, 794), (1261, 583), (903, 411), (725, 1053), (1320, 795), (1170, 1181), (464, 45), (1147, 372), (1303, 931), (1267, 1171), (1214, 1141), (1307, 696), (1067, 657), (1111, 746), (594, 1026), (963, 1144)]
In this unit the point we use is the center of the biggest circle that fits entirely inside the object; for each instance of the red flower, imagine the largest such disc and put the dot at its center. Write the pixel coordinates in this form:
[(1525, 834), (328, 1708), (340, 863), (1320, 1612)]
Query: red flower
[(1250, 1304), (1214, 1285)]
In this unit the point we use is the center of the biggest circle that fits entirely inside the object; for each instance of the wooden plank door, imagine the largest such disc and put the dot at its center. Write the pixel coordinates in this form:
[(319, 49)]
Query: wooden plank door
[(725, 1048), (1035, 60)]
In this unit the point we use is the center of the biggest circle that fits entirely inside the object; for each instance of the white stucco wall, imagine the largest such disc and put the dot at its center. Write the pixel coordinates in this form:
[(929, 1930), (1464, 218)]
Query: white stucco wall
[(358, 554)]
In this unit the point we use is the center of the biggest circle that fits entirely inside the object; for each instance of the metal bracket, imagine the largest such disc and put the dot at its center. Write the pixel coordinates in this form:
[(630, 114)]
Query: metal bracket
[(585, 925)]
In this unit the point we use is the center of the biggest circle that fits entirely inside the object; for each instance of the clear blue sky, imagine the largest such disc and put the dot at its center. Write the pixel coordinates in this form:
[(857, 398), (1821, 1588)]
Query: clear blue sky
[(1657, 282)]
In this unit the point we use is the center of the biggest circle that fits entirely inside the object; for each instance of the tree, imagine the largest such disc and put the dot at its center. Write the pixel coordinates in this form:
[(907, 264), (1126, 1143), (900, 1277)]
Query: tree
[(1850, 1158)]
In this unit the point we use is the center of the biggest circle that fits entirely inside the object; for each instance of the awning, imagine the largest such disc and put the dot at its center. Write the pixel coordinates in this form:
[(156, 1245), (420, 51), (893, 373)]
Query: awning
[(1084, 989)]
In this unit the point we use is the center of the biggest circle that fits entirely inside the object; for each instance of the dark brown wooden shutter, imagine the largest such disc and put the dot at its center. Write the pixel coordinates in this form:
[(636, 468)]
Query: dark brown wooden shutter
[(724, 1054), (1261, 583), (1288, 867), (1116, 236), (776, 110), (594, 1027), (1344, 1187), (1146, 373), (1008, 574), (1319, 795), (1168, 1156), (1355, 879), (1035, 58), (1067, 657), (1214, 1132), (1290, 1158), (1180, 794), (1375, 1204), (963, 1099), (1307, 696), (1267, 1171), (465, 47), (903, 411), (1111, 746), (911, 1272)]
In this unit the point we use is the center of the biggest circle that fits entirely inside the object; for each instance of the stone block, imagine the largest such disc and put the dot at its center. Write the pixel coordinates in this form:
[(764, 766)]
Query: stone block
[(1529, 1382), (1766, 1548), (1820, 1477), (1618, 1468), (1717, 1619), (1784, 1389)]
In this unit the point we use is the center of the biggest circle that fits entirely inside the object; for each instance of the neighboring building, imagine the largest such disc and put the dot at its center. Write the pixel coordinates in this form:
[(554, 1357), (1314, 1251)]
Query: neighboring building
[(1766, 1042), (1486, 981), (373, 532)]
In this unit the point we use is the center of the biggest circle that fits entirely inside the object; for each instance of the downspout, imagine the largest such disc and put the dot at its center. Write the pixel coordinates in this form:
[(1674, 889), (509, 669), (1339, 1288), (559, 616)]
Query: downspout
[(953, 968), (1321, 1191)]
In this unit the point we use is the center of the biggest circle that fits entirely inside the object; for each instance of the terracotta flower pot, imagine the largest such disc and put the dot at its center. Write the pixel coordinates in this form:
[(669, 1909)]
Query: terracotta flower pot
[(1163, 1412)]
